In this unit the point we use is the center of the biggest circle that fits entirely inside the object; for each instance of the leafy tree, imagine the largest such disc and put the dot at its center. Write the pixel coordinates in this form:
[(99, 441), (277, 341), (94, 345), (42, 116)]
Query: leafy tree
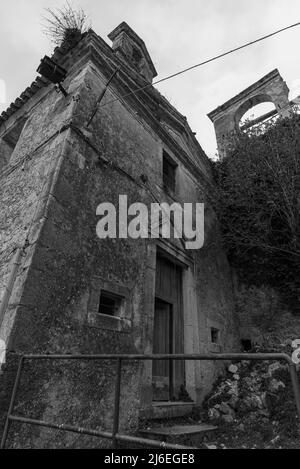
[(258, 203)]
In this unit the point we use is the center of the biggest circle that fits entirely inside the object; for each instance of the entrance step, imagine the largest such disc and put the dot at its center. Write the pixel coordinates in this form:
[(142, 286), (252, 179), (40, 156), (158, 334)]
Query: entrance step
[(168, 410), (181, 434)]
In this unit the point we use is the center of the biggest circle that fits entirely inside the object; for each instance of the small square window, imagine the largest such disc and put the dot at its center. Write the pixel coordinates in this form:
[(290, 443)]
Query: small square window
[(215, 335), (246, 345), (169, 172), (110, 304)]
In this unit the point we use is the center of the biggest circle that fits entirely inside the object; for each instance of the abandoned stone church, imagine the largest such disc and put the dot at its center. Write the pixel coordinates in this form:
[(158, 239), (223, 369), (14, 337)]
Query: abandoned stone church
[(65, 291)]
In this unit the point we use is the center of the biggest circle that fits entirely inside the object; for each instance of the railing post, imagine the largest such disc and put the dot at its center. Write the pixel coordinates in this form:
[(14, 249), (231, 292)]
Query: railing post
[(12, 403), (117, 403), (171, 379), (295, 384)]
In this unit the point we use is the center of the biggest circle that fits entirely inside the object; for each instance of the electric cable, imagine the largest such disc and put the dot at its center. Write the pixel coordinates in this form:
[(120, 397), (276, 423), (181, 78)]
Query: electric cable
[(180, 72)]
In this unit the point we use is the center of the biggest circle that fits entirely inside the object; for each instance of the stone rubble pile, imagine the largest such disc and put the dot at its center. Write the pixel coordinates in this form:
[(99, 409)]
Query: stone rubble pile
[(249, 393)]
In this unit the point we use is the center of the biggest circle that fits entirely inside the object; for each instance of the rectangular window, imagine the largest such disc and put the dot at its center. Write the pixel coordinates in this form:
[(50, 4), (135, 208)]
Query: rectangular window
[(169, 172), (110, 304), (215, 335)]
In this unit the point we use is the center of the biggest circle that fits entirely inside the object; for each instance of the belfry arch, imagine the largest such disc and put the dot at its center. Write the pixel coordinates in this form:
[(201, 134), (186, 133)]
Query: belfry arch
[(249, 104), (226, 118)]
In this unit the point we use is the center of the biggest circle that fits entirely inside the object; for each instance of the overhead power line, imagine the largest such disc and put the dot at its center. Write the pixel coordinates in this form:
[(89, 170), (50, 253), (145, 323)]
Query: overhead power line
[(224, 54)]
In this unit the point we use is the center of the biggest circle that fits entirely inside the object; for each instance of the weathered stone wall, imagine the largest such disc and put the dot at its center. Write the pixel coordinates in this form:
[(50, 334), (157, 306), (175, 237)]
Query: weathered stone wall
[(25, 187), (54, 299)]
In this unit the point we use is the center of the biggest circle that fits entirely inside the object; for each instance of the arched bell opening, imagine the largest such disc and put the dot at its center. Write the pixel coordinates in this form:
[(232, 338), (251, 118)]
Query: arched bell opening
[(254, 111)]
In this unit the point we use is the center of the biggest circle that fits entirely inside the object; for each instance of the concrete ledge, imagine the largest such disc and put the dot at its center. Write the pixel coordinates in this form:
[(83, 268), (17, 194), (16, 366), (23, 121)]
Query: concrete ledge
[(183, 434)]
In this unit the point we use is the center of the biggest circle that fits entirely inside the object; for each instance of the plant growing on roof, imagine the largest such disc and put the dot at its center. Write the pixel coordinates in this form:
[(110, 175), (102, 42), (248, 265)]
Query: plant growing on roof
[(65, 26)]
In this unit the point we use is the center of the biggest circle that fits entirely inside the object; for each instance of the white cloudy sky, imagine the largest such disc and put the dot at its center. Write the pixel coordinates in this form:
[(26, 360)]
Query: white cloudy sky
[(178, 33)]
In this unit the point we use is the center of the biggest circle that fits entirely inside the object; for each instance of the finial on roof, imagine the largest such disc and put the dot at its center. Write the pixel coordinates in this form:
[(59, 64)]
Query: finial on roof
[(131, 47)]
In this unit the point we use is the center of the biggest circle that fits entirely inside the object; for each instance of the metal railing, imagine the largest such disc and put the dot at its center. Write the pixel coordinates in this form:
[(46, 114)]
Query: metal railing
[(115, 436)]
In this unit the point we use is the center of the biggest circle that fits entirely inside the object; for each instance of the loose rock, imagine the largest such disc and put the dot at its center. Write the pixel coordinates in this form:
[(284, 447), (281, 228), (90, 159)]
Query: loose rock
[(233, 369)]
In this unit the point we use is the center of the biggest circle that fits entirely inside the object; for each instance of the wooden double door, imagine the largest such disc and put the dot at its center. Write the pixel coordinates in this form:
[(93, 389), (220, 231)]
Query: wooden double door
[(168, 338)]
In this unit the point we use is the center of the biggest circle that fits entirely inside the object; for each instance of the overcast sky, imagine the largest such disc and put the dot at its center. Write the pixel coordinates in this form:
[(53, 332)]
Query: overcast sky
[(177, 33)]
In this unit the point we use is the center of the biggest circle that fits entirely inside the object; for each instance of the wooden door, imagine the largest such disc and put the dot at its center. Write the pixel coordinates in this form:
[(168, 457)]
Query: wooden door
[(168, 377), (162, 344)]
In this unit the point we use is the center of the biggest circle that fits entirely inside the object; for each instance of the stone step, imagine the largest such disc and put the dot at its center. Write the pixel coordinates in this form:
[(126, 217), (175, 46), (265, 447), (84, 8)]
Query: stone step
[(181, 434), (168, 410)]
